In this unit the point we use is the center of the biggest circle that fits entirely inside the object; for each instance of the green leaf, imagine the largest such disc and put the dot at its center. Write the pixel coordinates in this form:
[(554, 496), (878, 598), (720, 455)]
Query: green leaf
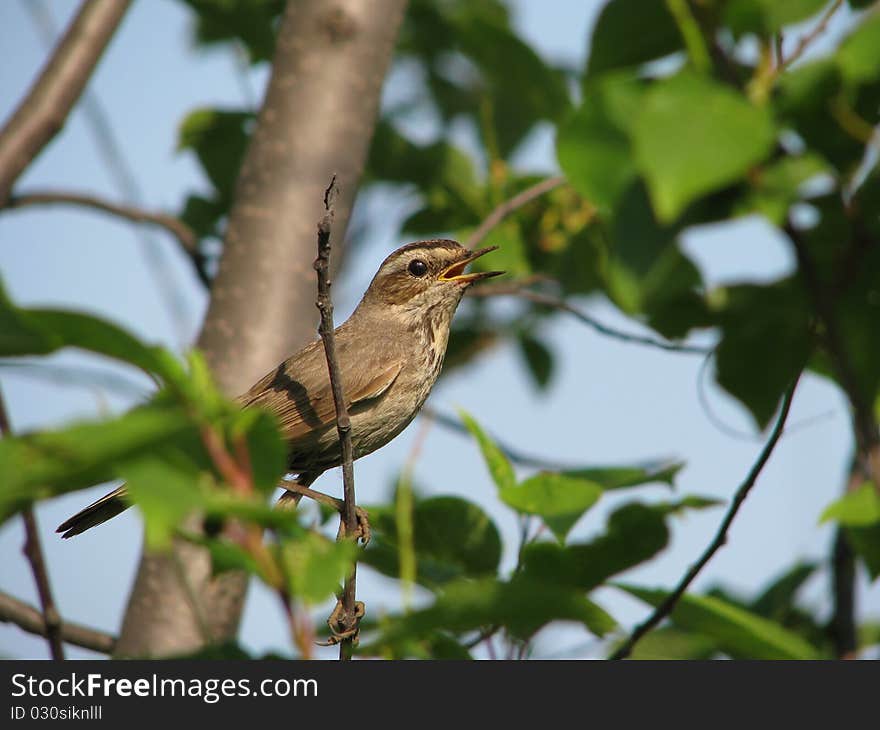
[(559, 500), (765, 344), (671, 643), (316, 566), (453, 538), (807, 98), (622, 477), (219, 139), (779, 185), (766, 17), (857, 508), (519, 87), (635, 533), (695, 136), (251, 22), (865, 542), (647, 274), (857, 57), (43, 331), (521, 605), (48, 463), (225, 555), (539, 359), (21, 333), (266, 449), (739, 633), (166, 492), (499, 466), (631, 32), (777, 599), (593, 144)]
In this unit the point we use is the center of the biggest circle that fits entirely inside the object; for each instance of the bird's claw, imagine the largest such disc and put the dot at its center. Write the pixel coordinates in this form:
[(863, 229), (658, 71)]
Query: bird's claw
[(342, 627), (362, 534)]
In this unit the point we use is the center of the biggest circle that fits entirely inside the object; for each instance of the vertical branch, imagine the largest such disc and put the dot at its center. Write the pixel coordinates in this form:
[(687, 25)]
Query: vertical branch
[(842, 626), (34, 553), (324, 303), (42, 113)]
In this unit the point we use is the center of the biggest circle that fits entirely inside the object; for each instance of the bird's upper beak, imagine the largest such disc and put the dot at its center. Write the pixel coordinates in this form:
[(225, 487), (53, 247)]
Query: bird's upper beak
[(456, 272)]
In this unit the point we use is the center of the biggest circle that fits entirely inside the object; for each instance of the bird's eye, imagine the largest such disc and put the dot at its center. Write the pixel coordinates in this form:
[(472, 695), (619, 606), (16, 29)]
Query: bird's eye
[(417, 267)]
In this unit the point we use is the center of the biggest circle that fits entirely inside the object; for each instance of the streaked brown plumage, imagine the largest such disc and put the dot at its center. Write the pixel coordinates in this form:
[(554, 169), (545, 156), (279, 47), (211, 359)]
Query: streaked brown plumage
[(390, 353)]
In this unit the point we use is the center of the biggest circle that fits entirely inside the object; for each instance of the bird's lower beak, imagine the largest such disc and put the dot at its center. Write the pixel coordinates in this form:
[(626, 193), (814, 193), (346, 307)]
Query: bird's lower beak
[(456, 272)]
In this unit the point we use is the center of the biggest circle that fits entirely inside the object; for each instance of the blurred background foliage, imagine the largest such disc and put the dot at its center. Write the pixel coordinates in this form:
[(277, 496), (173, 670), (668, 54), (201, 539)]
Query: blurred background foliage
[(686, 114)]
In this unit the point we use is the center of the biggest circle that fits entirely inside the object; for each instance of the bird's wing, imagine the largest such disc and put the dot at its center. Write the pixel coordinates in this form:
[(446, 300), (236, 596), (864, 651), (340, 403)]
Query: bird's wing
[(298, 392)]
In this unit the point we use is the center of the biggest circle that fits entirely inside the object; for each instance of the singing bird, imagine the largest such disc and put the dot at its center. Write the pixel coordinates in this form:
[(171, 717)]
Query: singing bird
[(390, 353)]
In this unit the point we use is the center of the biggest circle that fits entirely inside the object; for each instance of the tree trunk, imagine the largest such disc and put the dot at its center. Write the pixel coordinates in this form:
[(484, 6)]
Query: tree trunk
[(317, 120)]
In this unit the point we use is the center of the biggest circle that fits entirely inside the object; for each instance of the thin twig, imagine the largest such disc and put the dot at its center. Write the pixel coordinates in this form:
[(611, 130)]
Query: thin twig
[(669, 603), (324, 303), (29, 619), (547, 300), (34, 553), (173, 225), (509, 206), (690, 33), (807, 39), (42, 113)]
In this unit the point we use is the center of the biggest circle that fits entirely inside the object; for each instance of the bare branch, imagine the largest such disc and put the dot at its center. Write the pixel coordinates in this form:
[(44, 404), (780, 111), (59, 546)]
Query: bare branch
[(518, 289), (666, 607), (42, 113), (34, 553), (807, 39), (509, 206), (29, 619), (324, 302), (176, 227)]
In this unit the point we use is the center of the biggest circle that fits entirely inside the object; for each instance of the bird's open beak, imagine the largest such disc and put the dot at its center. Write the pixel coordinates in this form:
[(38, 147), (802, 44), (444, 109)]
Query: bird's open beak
[(456, 272)]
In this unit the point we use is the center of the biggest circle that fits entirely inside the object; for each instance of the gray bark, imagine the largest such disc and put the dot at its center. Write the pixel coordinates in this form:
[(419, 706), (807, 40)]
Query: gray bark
[(317, 119)]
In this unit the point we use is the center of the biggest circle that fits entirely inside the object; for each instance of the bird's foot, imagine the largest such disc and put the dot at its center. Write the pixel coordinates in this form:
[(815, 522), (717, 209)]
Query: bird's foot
[(362, 533), (296, 491), (342, 626)]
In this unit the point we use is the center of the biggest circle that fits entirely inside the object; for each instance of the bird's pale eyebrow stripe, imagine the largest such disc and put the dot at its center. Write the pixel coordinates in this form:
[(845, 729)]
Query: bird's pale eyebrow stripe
[(446, 243)]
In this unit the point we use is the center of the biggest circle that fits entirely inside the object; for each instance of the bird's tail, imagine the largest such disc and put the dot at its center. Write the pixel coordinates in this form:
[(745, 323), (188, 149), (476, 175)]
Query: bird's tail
[(96, 513)]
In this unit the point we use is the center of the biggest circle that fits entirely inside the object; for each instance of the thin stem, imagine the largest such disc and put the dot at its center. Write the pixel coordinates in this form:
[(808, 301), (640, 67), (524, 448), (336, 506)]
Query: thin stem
[(324, 303), (669, 603), (807, 39), (176, 227), (510, 206), (546, 300), (691, 33), (34, 553), (29, 619)]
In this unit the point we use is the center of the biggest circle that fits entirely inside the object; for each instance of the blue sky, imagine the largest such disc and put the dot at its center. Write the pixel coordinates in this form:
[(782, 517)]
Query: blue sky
[(608, 402)]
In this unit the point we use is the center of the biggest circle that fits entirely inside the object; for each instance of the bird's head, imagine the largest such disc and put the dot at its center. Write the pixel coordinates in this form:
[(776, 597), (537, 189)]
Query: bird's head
[(425, 274)]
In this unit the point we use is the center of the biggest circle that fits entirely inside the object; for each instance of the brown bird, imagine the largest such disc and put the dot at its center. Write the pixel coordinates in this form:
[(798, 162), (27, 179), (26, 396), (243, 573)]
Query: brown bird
[(390, 352)]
